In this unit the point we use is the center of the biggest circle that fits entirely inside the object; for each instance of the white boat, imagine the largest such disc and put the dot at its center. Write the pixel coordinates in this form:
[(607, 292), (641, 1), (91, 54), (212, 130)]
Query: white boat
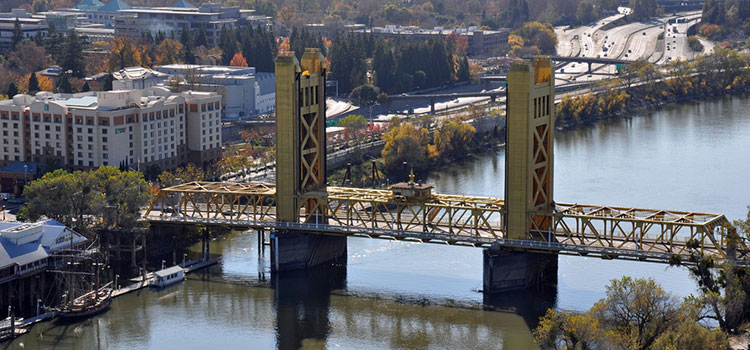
[(168, 276)]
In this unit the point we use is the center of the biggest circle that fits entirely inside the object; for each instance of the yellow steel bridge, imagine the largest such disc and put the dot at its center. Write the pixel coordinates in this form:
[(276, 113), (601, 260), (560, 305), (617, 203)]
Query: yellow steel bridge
[(577, 229)]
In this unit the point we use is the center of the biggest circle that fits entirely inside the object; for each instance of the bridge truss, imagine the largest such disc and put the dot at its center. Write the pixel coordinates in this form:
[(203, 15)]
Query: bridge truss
[(603, 231)]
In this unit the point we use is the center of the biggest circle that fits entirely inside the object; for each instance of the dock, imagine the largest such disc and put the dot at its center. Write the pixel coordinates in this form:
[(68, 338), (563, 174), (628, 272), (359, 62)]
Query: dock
[(21, 326), (140, 282)]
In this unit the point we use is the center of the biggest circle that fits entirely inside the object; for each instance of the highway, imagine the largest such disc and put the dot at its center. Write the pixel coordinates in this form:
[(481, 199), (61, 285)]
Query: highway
[(632, 41)]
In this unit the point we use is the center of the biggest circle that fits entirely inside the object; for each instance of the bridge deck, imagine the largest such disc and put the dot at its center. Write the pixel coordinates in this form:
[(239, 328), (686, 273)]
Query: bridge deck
[(604, 231)]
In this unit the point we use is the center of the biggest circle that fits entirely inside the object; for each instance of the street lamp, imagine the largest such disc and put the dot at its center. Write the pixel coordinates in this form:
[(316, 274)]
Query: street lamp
[(116, 278), (184, 259), (25, 178)]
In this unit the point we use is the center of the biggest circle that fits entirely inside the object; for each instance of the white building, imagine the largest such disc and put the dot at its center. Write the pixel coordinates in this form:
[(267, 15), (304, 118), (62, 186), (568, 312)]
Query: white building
[(30, 27), (170, 20), (245, 93), (27, 248), (131, 78), (145, 127)]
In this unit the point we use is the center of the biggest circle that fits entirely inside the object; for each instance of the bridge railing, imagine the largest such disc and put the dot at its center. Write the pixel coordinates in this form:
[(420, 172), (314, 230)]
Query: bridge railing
[(673, 232), (549, 246), (454, 218)]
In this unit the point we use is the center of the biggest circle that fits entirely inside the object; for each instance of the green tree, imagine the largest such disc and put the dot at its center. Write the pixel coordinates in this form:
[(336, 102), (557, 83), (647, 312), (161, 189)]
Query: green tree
[(367, 94), (353, 124), (64, 85), (585, 12), (200, 37), (12, 89), (107, 83), (33, 83), (17, 34), (72, 56)]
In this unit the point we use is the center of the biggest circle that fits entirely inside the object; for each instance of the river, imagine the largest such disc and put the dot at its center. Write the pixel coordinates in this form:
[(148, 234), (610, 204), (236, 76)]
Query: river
[(692, 156)]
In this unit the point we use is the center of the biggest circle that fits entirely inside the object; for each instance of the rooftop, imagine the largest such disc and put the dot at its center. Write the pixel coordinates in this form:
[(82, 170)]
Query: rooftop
[(89, 5), (136, 73), (115, 5), (36, 240), (168, 271), (183, 4), (18, 168)]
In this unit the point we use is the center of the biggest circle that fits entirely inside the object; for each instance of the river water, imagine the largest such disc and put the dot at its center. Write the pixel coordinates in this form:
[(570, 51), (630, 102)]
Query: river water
[(692, 156)]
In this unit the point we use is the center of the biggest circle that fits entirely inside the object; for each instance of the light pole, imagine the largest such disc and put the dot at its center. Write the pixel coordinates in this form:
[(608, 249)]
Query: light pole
[(117, 286), (38, 302), (25, 171), (184, 259)]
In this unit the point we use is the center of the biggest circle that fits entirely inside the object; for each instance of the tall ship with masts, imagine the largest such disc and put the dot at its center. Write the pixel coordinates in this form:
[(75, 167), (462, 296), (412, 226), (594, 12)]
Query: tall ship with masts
[(83, 295)]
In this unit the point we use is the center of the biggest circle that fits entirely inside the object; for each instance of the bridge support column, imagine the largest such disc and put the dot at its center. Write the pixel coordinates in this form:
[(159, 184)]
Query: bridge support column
[(589, 71), (294, 250), (432, 106), (506, 271)]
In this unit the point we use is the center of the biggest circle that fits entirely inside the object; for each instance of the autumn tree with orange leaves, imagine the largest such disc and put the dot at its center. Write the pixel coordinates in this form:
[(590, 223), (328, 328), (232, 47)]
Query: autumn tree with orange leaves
[(238, 60)]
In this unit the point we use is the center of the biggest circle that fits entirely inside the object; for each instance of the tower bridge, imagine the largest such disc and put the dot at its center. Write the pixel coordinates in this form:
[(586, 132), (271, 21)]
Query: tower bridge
[(521, 235)]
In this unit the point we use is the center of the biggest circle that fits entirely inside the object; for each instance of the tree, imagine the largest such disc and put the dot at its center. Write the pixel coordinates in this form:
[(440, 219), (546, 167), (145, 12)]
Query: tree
[(125, 52), (637, 314), (12, 90), (167, 52), (353, 124), (64, 85), (695, 44), (27, 57), (367, 94), (539, 35), (453, 138), (200, 37), (107, 83), (238, 60), (17, 34), (33, 83), (188, 173), (585, 12), (639, 309), (72, 56), (404, 143)]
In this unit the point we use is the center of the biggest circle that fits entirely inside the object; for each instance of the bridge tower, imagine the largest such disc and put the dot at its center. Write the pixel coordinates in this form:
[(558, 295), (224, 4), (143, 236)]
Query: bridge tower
[(528, 178), (301, 163)]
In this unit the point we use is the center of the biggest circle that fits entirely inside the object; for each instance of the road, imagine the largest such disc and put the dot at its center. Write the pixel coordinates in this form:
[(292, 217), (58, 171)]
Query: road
[(632, 41)]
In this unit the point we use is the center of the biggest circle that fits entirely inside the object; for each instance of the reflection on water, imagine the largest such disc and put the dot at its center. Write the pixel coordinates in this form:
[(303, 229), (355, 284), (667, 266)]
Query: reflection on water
[(419, 296)]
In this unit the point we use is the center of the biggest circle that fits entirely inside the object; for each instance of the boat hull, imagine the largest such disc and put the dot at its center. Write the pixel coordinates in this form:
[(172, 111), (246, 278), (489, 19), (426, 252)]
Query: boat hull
[(85, 312)]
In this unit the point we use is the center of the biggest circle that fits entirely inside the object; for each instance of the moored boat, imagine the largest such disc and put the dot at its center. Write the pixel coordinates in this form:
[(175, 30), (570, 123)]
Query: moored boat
[(86, 305), (168, 276)]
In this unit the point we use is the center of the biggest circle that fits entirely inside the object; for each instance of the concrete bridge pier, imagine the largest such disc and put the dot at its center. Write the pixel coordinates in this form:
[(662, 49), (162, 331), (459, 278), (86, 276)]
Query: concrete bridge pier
[(297, 250), (506, 271), (589, 64), (432, 106)]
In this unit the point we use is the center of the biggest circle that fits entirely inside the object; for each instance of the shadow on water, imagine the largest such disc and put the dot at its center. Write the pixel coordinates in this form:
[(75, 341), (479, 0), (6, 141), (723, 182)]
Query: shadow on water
[(530, 304), (302, 300)]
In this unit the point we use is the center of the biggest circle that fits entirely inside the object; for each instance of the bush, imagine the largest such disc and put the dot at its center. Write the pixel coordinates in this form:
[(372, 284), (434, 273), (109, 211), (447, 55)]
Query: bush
[(695, 44), (367, 94)]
